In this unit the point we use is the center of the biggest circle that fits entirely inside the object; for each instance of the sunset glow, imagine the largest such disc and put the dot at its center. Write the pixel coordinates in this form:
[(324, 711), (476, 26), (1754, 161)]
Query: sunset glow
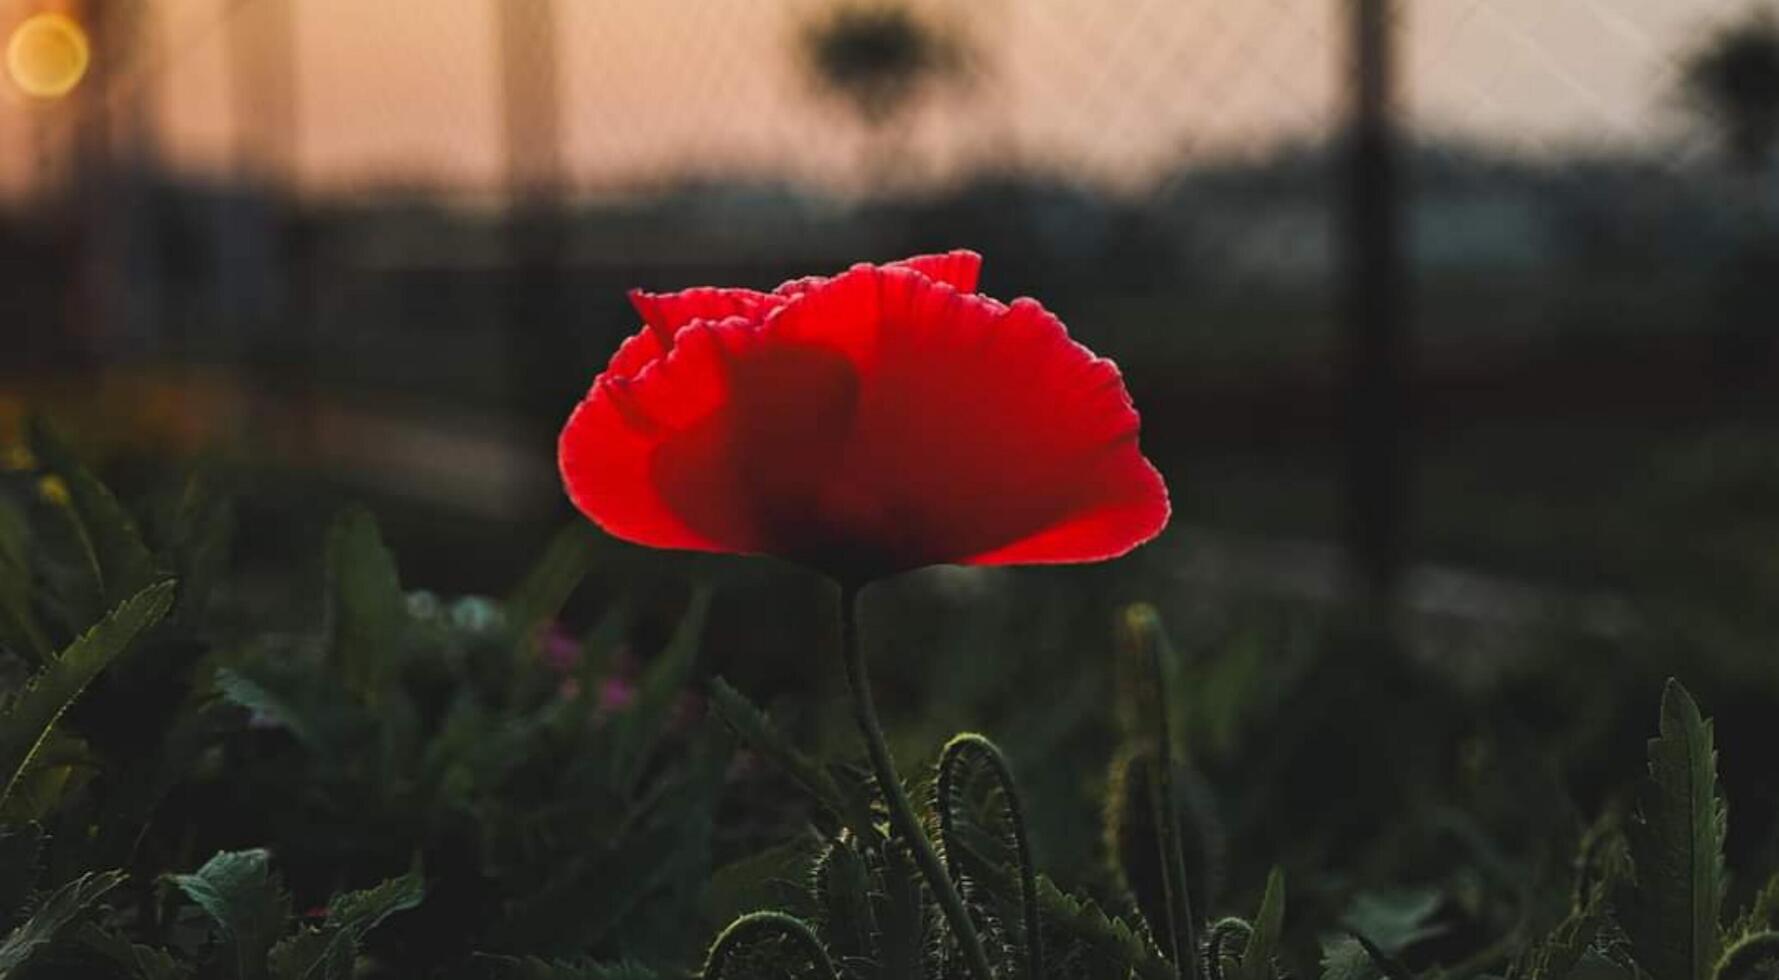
[(405, 93)]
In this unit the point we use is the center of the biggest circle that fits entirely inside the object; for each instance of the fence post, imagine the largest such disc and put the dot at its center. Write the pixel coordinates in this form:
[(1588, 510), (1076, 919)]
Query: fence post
[(1376, 320), (541, 366)]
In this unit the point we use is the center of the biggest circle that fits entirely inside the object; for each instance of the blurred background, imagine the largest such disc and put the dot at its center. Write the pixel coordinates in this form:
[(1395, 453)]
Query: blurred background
[(1465, 308), (1471, 296)]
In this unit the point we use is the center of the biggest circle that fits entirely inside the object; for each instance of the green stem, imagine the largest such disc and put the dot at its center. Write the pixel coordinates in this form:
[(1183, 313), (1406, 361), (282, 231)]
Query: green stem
[(901, 811)]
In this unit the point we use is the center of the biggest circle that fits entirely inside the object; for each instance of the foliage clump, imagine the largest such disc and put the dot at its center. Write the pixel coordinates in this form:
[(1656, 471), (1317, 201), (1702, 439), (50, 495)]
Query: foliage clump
[(380, 782)]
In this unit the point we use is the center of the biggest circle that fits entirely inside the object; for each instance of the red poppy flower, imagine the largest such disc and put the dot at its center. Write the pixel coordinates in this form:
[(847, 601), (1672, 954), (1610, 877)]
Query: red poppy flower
[(868, 423)]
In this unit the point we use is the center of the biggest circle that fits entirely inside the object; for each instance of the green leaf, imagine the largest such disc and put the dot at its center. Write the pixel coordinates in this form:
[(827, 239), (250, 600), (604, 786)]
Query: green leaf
[(19, 629), (123, 564), (137, 961), (1750, 958), (61, 766), (56, 913), (1558, 955), (1269, 924), (1396, 919), (241, 894), (903, 929), (1671, 911), (662, 848), (1111, 936), (1762, 914), (1387, 964), (772, 878), (200, 530), (30, 715), (755, 728), (639, 728), (1149, 664), (272, 704), (842, 890), (368, 610), (329, 953), (541, 594), (361, 911), (1346, 958)]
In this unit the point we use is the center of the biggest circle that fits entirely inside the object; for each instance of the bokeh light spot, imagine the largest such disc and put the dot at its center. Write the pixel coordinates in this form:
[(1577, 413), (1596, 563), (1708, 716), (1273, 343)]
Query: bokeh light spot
[(47, 55)]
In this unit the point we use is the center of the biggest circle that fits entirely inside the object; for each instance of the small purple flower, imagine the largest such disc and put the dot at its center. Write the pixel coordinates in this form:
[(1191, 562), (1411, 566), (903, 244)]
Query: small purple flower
[(559, 650), (616, 693)]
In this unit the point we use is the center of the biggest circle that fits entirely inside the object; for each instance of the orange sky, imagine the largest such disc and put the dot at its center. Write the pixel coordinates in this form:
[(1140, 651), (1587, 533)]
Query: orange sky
[(406, 91)]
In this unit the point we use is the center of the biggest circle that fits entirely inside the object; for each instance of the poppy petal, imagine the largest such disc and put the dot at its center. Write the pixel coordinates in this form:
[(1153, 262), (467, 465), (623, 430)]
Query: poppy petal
[(666, 313), (607, 450), (637, 351), (983, 433), (960, 269)]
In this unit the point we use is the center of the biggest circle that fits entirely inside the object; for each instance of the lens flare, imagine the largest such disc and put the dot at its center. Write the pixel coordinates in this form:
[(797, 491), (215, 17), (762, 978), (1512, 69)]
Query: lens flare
[(47, 55)]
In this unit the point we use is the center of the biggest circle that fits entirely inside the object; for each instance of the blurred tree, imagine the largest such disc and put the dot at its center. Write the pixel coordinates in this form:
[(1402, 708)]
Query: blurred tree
[(1733, 79), (879, 58)]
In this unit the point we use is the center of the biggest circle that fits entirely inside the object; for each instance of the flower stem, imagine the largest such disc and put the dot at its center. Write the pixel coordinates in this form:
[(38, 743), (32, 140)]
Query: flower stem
[(901, 811)]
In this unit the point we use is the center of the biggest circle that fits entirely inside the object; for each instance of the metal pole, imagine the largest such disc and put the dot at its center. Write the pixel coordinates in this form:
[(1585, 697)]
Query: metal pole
[(1376, 334), (544, 379)]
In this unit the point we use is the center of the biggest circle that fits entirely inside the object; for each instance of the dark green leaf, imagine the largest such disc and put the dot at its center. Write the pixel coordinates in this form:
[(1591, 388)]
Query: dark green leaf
[(1269, 924), (1387, 964), (202, 529), (1558, 954), (328, 953), (32, 713), (57, 912), (1762, 914), (136, 960), (1394, 920), (1150, 664), (368, 610), (1346, 959), (61, 766), (902, 924), (241, 894), (124, 565), (540, 596), (640, 726), (773, 878), (1671, 911), (1754, 957), (19, 629), (756, 730), (271, 704), (1112, 936), (843, 886)]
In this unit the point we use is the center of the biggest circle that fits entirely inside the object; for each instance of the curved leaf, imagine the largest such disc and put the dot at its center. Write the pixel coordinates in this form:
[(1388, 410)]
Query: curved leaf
[(56, 912), (1671, 911), (33, 712)]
